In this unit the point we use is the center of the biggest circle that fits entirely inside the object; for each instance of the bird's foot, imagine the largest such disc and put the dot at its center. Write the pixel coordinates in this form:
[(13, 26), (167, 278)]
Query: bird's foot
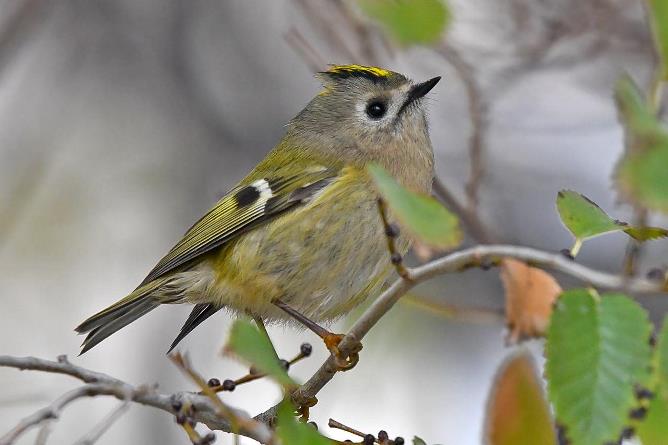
[(344, 362), (303, 408)]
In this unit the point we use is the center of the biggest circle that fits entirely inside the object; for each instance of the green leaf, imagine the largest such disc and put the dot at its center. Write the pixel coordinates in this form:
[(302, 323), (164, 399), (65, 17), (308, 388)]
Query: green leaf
[(635, 114), (641, 173), (252, 346), (662, 356), (409, 21), (597, 349), (421, 215), (642, 177), (293, 432), (653, 430), (418, 441), (658, 10), (646, 233), (517, 411), (585, 219)]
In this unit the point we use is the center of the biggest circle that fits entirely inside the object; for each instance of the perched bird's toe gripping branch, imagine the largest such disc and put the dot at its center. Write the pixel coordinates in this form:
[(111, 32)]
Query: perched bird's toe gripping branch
[(344, 362)]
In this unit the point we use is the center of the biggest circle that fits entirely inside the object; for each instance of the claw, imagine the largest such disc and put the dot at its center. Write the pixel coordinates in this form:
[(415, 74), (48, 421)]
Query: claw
[(304, 408), (343, 362)]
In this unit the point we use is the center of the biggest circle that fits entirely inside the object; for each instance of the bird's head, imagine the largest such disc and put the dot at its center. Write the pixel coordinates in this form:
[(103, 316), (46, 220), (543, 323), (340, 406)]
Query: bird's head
[(367, 114)]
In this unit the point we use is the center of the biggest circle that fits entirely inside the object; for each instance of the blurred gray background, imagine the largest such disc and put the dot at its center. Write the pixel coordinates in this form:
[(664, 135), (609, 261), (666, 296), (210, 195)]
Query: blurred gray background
[(122, 121)]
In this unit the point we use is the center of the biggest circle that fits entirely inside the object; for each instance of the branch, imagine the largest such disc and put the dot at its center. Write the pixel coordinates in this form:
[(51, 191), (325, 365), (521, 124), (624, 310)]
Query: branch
[(93, 435), (475, 227), (452, 263), (49, 413), (329, 26), (303, 48), (101, 384), (209, 413), (478, 315)]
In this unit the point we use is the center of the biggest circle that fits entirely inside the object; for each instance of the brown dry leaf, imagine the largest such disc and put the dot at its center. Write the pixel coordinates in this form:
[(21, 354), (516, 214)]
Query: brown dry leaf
[(517, 411), (422, 251), (530, 294)]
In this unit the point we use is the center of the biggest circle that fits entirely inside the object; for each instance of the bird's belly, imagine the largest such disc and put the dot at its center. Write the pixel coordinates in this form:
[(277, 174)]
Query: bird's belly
[(316, 261)]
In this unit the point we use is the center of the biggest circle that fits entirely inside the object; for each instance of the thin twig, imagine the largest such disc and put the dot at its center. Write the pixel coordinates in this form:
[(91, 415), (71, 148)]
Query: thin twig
[(45, 415), (363, 33), (93, 435), (475, 227), (205, 411), (237, 423), (478, 113), (391, 234), (339, 426), (634, 248), (308, 54), (322, 19), (457, 313)]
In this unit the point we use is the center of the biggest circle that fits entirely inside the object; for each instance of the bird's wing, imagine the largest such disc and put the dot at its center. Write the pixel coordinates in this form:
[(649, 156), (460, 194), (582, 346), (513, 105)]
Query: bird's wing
[(243, 208)]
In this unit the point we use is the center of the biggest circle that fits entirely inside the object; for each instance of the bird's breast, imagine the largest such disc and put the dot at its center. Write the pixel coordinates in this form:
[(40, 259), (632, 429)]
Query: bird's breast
[(322, 258)]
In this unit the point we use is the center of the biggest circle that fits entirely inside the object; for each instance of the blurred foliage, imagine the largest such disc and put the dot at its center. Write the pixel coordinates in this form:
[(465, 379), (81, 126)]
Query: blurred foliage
[(585, 219), (517, 411), (658, 10), (662, 358), (421, 215), (409, 22), (653, 430), (597, 349), (249, 344), (293, 432), (641, 174)]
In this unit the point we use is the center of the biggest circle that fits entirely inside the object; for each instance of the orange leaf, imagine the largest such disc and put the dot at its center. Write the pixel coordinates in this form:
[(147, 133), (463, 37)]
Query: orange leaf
[(517, 411), (422, 251), (530, 293)]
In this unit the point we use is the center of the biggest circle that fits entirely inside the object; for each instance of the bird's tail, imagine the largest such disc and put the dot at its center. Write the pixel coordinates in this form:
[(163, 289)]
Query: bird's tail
[(118, 315)]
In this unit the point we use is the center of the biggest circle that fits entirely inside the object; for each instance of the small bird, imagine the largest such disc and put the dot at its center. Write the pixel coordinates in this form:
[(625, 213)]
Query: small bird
[(301, 236)]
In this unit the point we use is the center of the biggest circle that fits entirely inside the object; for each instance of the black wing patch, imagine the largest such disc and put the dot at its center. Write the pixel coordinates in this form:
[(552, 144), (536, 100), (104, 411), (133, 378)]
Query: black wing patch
[(246, 196), (228, 219)]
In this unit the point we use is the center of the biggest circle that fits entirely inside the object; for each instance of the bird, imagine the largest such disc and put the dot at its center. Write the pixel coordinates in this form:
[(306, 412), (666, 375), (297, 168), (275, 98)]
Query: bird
[(300, 239)]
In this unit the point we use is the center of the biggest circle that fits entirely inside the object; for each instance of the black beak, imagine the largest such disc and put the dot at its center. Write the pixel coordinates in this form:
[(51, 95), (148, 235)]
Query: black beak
[(421, 89), (418, 91)]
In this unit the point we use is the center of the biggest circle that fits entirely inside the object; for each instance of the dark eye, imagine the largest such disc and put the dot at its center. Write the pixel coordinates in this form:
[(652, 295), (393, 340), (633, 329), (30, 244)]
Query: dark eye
[(376, 109)]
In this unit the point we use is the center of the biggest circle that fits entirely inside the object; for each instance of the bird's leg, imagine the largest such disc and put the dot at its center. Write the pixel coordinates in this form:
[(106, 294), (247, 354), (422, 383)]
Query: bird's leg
[(344, 363), (260, 324)]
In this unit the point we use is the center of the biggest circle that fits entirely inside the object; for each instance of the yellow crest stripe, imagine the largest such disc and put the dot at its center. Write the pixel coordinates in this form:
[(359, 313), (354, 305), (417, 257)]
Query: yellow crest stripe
[(359, 69)]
